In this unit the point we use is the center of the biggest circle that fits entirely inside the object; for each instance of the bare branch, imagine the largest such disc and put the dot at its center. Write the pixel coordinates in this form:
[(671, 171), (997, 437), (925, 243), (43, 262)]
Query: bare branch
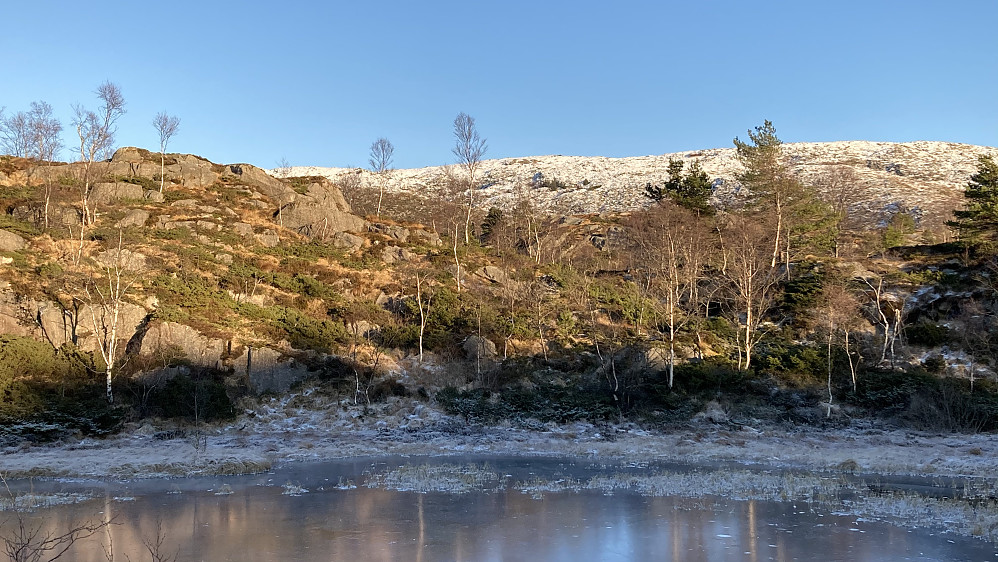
[(167, 126), (470, 148)]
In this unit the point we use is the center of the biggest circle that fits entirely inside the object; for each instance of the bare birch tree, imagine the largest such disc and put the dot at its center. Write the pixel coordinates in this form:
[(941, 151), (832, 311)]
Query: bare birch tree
[(96, 130), (670, 249), (105, 293), (424, 299), (382, 153), (167, 126), (753, 280), (841, 312), (40, 137), (15, 138), (470, 148)]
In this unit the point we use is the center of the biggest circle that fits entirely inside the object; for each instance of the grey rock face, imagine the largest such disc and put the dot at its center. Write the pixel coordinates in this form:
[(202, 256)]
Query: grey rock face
[(123, 259), (321, 212), (170, 339), (268, 370), (105, 193), (318, 220), (396, 233)]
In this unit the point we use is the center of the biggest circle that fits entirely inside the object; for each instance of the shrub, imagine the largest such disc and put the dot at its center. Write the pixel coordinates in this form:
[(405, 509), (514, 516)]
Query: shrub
[(47, 393), (797, 364), (950, 406), (544, 402), (197, 396), (929, 335)]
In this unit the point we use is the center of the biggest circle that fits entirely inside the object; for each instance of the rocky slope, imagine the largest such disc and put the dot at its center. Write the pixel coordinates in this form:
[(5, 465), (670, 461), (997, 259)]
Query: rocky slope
[(926, 178), (208, 223)]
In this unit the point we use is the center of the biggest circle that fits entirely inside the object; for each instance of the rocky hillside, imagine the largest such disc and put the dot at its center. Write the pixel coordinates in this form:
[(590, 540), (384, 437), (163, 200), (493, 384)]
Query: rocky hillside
[(224, 280), (925, 178), (201, 272)]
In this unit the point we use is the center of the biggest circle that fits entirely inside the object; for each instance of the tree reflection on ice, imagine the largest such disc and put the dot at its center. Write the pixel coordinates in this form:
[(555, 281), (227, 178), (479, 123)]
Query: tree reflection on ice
[(501, 518)]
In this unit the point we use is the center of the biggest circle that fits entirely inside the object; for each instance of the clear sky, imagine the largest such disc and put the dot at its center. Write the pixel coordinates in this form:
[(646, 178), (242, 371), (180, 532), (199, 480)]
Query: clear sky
[(317, 82)]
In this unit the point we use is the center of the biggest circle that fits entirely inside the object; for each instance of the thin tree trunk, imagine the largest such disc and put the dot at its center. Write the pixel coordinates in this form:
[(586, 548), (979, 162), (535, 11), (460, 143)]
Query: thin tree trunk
[(457, 262), (467, 221), (852, 368), (828, 412)]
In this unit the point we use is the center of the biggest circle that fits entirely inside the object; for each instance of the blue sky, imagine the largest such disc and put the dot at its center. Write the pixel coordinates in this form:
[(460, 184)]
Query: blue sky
[(317, 82)]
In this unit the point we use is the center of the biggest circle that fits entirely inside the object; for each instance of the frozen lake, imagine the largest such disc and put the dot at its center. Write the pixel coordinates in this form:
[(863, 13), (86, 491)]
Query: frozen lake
[(474, 509)]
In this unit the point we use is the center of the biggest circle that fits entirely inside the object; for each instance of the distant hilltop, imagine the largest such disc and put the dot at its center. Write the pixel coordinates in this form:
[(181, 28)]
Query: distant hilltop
[(924, 177)]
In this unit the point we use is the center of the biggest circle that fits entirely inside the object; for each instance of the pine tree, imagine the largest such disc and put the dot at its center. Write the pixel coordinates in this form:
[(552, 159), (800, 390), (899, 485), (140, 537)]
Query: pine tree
[(691, 190), (977, 222), (800, 222)]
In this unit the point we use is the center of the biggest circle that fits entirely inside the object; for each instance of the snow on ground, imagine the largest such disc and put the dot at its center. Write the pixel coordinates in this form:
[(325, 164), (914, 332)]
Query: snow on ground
[(310, 427)]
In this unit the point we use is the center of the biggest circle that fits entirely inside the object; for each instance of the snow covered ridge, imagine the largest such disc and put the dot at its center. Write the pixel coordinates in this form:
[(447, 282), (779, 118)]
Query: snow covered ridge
[(924, 175)]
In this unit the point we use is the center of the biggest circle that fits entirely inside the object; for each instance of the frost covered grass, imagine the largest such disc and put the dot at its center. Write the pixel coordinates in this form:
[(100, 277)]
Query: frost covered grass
[(736, 485), (293, 489), (30, 501), (423, 478), (976, 519)]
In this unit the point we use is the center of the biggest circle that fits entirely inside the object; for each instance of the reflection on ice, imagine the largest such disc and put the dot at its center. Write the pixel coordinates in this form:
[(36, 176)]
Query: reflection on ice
[(502, 509)]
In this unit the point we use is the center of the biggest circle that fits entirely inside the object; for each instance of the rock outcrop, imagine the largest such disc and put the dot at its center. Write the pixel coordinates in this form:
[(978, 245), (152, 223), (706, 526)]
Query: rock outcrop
[(169, 340), (320, 212)]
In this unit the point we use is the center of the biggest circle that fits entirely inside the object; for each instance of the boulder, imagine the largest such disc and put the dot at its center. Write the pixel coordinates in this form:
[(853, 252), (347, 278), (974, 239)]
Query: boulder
[(397, 233), (394, 254), (186, 169), (242, 229), (494, 274), (268, 238), (207, 225), (34, 212), (318, 219), (321, 212), (347, 241), (153, 196), (10, 242), (165, 223), (430, 238), (477, 347), (258, 179), (362, 328), (134, 217)]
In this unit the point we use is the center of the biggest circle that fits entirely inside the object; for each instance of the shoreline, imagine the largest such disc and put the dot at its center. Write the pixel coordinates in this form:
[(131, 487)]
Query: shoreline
[(280, 431)]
